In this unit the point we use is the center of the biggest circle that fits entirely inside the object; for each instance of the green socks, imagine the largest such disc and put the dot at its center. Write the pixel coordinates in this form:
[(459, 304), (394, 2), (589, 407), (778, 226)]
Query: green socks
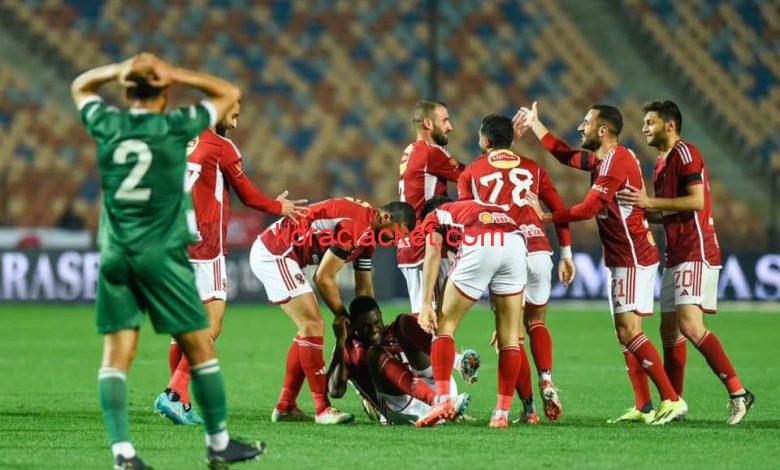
[(209, 392), (113, 401)]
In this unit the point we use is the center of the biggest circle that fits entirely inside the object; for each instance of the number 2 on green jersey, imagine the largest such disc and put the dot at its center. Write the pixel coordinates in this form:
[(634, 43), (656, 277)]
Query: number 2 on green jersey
[(128, 190)]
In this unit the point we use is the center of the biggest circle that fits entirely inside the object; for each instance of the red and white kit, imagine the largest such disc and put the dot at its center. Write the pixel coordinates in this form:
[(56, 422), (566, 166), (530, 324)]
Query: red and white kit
[(342, 226), (630, 251), (491, 250), (213, 167), (425, 170), (504, 178), (692, 259), (413, 396)]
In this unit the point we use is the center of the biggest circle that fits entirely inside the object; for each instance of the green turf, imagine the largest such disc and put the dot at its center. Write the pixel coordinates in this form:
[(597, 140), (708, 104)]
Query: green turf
[(49, 415)]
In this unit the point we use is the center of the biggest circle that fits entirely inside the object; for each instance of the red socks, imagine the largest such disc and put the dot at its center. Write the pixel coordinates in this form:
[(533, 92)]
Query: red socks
[(650, 361), (509, 360), (180, 380), (675, 354), (405, 380), (174, 356), (523, 385), (638, 379), (313, 365), (293, 378), (719, 362), (541, 346), (442, 357)]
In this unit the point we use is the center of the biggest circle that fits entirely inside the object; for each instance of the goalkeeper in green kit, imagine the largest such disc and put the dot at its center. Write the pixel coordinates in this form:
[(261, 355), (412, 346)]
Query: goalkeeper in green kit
[(146, 223)]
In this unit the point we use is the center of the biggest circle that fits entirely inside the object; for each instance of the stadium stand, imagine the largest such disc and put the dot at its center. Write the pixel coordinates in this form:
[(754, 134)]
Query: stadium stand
[(727, 50), (328, 87)]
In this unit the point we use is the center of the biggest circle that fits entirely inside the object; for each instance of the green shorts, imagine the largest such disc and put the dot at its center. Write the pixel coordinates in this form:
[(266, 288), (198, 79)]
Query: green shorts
[(158, 281)]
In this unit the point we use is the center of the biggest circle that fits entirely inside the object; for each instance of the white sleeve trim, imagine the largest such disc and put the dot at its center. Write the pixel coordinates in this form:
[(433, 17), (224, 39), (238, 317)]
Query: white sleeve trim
[(86, 100), (212, 112), (566, 252)]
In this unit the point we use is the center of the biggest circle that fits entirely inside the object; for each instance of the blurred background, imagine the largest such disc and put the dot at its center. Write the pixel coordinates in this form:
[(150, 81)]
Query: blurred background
[(328, 87)]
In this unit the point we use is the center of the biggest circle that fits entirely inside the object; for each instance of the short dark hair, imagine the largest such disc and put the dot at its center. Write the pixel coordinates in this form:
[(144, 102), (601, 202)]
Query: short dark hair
[(424, 109), (498, 130), (667, 110), (609, 116), (143, 90), (401, 213), (360, 305), (433, 203)]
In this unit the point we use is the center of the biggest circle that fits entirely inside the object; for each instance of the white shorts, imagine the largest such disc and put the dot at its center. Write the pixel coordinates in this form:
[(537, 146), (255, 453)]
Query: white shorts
[(632, 289), (210, 278), (282, 278), (414, 284), (537, 289), (502, 268), (690, 283)]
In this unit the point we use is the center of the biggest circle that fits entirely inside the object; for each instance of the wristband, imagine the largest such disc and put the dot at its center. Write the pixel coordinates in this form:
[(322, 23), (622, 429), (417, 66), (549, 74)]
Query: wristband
[(566, 252)]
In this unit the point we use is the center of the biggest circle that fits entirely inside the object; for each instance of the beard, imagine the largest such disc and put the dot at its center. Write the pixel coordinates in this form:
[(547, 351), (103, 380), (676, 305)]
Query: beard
[(590, 142), (439, 137), (657, 140)]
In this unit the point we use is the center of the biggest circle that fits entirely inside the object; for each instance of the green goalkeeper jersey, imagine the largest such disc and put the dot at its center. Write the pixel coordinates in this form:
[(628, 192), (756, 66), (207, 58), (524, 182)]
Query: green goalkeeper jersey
[(142, 161)]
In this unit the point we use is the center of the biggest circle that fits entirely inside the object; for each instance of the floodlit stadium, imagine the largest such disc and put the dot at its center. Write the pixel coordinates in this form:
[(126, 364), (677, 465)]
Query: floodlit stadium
[(545, 230)]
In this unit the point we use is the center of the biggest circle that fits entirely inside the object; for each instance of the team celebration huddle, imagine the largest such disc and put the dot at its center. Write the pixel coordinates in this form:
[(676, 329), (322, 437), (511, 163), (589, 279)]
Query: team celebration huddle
[(167, 176)]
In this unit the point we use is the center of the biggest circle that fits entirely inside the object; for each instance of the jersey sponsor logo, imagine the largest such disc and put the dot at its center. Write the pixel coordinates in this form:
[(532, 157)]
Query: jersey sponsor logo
[(495, 218), (503, 160), (531, 231), (650, 238), (486, 217), (192, 145)]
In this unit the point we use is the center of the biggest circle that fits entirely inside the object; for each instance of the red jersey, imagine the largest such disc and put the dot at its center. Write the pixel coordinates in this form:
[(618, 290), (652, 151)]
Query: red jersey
[(503, 178), (342, 226), (424, 171), (625, 234), (213, 167), (690, 235), (471, 219)]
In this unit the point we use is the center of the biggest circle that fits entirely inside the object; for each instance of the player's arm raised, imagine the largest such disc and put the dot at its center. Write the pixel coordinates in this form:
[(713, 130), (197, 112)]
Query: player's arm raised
[(86, 85), (222, 94), (529, 118)]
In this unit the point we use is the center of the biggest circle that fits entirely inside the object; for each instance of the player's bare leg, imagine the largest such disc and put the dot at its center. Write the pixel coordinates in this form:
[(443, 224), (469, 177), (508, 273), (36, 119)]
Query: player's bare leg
[(119, 349), (690, 320), (509, 332), (174, 402), (209, 390), (454, 307), (307, 345), (628, 326), (541, 349)]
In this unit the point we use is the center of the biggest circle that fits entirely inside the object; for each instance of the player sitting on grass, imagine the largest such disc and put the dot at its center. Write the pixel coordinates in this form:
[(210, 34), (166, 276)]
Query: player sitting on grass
[(144, 232), (333, 233), (390, 365)]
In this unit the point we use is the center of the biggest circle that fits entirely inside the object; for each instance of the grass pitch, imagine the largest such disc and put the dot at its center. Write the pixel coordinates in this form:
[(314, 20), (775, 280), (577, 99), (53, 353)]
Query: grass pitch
[(49, 414)]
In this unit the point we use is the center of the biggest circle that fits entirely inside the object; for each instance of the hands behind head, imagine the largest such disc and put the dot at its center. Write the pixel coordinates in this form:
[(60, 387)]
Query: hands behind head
[(148, 67)]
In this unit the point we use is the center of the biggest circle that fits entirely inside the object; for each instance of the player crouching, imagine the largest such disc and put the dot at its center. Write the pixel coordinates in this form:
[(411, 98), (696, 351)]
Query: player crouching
[(333, 232), (390, 366), (491, 255)]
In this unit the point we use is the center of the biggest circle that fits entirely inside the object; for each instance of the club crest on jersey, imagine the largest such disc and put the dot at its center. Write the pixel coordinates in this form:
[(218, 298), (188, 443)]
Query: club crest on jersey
[(192, 145), (503, 159), (301, 280)]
